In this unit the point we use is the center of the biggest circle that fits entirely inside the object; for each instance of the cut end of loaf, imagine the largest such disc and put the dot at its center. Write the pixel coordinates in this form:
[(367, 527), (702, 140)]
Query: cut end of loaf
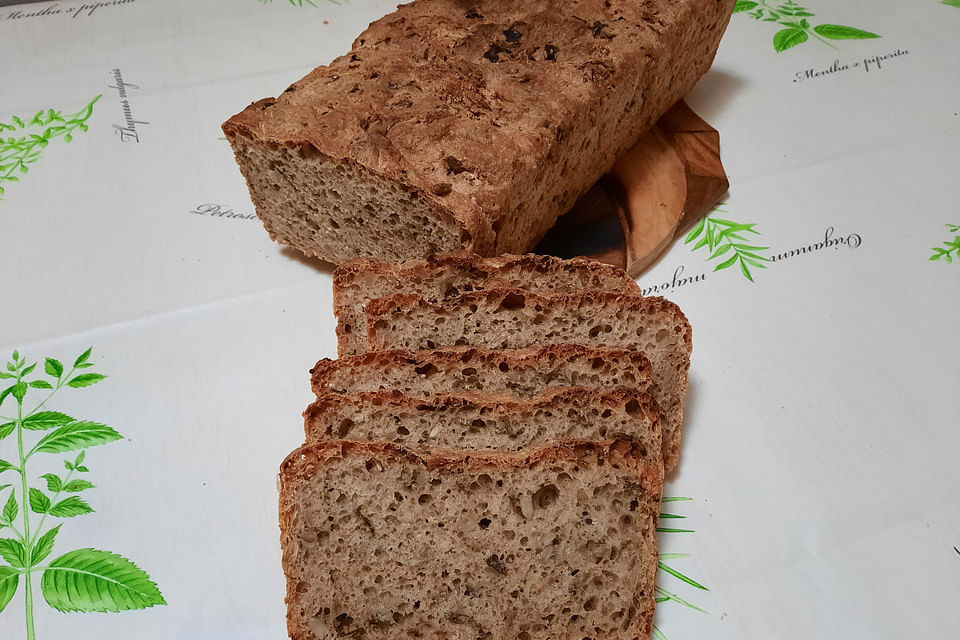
[(558, 542), (338, 210)]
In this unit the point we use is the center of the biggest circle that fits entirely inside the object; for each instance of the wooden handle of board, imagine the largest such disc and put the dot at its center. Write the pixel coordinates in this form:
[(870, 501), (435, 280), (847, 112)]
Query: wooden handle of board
[(661, 186)]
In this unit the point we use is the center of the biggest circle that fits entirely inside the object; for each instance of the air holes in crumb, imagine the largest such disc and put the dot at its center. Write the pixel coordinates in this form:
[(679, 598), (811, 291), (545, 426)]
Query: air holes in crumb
[(426, 370), (633, 407), (512, 302), (590, 604), (504, 367), (662, 335), (346, 425), (403, 431), (546, 496), (425, 498)]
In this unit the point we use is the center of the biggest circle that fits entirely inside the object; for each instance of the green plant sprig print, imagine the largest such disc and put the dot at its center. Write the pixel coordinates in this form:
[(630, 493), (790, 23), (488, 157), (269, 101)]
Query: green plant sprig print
[(950, 249), (28, 138), (725, 238), (663, 595), (793, 17), (951, 3), (83, 579)]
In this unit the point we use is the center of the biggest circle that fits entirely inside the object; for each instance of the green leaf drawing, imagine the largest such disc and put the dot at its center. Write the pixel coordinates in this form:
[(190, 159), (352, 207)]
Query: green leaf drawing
[(793, 16), (75, 486), (46, 420), (13, 552), (94, 580), (39, 502), (9, 578), (951, 3), (76, 435), (300, 3), (29, 138), (662, 594), (721, 237), (53, 367), (840, 32), (85, 380), (787, 38), (82, 580), (54, 483), (950, 249), (44, 546), (83, 357), (11, 509), (70, 507)]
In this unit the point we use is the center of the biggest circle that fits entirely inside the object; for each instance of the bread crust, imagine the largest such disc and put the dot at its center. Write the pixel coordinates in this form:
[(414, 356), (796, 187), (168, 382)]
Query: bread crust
[(302, 462), (382, 308), (325, 369), (483, 272), (560, 397), (497, 114)]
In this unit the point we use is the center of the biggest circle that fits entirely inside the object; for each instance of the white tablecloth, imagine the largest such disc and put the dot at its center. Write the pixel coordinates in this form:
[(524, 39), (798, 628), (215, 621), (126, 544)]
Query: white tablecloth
[(821, 440)]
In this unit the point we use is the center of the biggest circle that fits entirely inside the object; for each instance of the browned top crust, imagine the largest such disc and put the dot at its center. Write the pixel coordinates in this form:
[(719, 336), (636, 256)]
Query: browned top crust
[(449, 357), (303, 461), (559, 397), (482, 268), (470, 99)]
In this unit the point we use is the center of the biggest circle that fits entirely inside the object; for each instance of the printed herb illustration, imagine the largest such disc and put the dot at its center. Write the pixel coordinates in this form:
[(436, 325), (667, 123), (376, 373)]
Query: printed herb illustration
[(78, 580), (951, 248), (28, 138), (797, 29), (663, 595), (951, 3), (724, 237)]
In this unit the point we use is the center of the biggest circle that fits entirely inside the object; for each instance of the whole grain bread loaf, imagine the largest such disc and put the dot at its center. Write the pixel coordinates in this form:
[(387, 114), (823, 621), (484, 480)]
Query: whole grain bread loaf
[(556, 542), (513, 318), (480, 421), (521, 373), (442, 277), (454, 124)]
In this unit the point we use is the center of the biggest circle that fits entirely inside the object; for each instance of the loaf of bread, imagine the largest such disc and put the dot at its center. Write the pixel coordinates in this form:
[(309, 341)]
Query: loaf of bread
[(521, 373), (480, 421), (556, 542), (446, 276), (516, 319), (454, 124)]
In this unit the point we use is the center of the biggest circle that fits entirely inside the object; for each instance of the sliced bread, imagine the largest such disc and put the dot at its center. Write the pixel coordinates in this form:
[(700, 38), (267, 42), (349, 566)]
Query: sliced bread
[(522, 373), (446, 276), (556, 542), (481, 421), (512, 319)]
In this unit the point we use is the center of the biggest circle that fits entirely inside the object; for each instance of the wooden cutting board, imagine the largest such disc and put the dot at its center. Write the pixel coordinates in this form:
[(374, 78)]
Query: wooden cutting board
[(661, 186)]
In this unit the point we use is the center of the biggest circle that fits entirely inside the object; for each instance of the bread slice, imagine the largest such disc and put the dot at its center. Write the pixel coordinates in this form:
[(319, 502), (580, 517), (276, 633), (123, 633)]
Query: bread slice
[(556, 542), (443, 277), (453, 124), (511, 319), (521, 373), (481, 421)]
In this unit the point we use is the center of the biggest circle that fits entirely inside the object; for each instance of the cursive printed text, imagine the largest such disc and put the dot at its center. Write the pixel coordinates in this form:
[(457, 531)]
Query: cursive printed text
[(218, 211), (868, 64), (677, 281), (128, 130), (86, 9), (851, 241)]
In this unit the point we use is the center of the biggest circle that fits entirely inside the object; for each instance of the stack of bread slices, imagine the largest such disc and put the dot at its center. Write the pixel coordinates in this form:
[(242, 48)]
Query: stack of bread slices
[(485, 459)]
